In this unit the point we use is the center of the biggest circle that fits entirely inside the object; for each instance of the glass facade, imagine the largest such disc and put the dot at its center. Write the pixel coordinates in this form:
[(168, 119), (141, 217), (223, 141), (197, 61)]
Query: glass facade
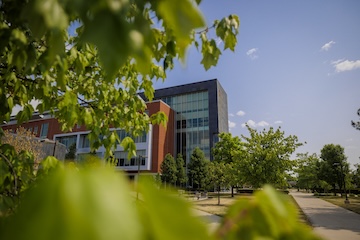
[(191, 122), (67, 140), (121, 159)]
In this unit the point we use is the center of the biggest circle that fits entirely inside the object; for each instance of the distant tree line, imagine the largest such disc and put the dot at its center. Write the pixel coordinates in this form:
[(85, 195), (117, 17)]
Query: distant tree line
[(262, 157)]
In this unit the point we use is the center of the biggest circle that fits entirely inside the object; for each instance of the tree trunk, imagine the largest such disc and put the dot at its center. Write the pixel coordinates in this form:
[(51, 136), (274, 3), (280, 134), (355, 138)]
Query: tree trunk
[(334, 186), (219, 195), (232, 191)]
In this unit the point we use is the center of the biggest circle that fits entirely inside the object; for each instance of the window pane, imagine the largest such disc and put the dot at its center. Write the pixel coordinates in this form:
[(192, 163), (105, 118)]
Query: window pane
[(44, 129)]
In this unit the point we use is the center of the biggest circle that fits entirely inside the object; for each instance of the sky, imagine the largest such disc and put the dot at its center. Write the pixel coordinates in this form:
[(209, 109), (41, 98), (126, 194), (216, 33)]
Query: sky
[(296, 66)]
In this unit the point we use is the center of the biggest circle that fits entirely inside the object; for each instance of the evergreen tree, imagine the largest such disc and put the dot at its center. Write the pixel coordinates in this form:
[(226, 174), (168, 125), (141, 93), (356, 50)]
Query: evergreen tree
[(181, 173), (168, 169), (198, 168), (72, 152)]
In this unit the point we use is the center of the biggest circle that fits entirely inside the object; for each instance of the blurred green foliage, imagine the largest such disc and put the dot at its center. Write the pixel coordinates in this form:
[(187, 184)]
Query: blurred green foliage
[(85, 61), (270, 215), (96, 202)]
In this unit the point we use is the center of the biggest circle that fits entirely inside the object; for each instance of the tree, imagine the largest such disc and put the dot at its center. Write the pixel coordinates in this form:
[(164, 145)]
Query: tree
[(24, 140), (356, 125), (334, 167), (217, 172), (17, 173), (168, 169), (71, 154), (356, 176), (229, 150), (308, 167), (94, 193), (180, 170), (198, 168), (85, 61), (268, 157)]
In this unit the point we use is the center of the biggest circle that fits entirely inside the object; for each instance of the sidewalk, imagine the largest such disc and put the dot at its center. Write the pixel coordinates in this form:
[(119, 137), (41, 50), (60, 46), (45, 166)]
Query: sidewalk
[(328, 220), (213, 221)]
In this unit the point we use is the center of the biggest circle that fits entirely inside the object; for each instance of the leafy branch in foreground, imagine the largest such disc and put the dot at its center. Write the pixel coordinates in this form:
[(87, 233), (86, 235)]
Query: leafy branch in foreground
[(95, 202), (85, 61)]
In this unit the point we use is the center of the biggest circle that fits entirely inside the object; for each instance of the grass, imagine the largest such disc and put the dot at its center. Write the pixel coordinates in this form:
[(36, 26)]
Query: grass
[(339, 201), (210, 205), (302, 217)]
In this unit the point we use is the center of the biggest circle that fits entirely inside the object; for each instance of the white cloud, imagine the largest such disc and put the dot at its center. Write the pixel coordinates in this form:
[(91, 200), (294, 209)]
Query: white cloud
[(263, 124), (327, 46), (253, 124), (240, 113), (252, 53), (278, 122), (231, 115), (345, 65), (232, 124)]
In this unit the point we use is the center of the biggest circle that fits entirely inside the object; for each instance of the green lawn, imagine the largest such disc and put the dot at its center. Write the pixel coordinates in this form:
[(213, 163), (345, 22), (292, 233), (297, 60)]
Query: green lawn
[(210, 205), (339, 201)]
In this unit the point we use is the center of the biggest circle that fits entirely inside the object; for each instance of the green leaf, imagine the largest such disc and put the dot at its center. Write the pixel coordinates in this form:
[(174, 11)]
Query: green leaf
[(56, 46), (227, 29), (87, 116), (128, 144), (173, 220), (159, 118), (43, 15), (182, 16), (114, 50), (87, 203), (170, 48)]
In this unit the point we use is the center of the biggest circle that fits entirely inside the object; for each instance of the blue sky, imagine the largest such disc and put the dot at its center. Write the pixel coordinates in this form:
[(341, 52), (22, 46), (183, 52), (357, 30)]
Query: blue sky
[(296, 65)]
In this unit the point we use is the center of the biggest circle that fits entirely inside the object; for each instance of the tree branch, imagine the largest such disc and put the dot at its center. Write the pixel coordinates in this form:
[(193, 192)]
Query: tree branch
[(12, 169)]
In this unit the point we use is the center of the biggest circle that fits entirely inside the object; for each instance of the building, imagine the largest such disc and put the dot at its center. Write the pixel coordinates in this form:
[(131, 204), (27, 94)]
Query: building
[(201, 114), (152, 155), (196, 112)]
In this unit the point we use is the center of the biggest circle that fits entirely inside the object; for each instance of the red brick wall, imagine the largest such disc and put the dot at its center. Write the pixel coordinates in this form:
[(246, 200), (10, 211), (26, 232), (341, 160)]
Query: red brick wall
[(163, 137), (163, 140), (53, 128)]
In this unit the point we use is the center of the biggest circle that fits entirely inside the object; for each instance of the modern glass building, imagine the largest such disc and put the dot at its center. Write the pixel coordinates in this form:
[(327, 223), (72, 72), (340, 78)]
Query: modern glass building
[(201, 113)]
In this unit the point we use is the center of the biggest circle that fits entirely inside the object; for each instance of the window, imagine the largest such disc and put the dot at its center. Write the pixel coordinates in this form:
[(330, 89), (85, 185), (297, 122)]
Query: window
[(183, 124), (206, 121), (143, 161), (195, 122), (67, 140), (36, 130), (44, 130), (84, 141), (122, 161)]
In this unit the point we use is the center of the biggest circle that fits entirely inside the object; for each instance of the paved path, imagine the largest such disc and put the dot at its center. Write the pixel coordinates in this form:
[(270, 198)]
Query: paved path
[(213, 221), (329, 221)]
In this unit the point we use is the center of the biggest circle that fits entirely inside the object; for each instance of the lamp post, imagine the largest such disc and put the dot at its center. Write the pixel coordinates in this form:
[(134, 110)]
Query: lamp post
[(343, 180), (138, 178)]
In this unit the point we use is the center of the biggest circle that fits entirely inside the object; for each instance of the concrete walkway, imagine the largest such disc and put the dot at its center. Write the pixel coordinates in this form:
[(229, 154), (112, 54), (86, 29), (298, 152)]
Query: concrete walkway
[(213, 221), (328, 220)]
